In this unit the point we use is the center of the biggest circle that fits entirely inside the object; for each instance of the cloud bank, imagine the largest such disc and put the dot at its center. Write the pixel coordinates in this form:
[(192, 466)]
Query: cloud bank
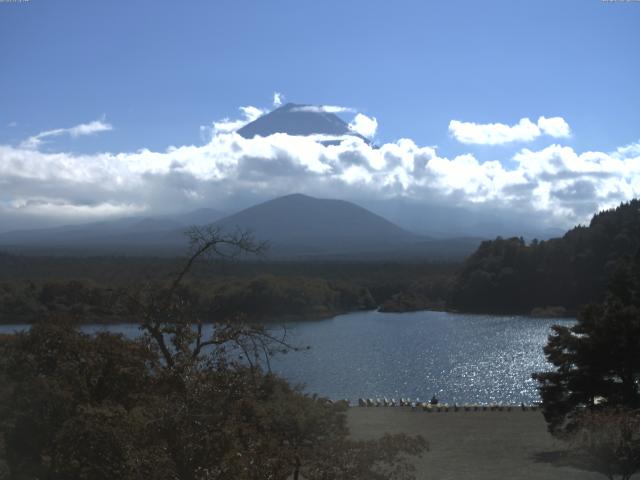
[(563, 185), (555, 183), (499, 133)]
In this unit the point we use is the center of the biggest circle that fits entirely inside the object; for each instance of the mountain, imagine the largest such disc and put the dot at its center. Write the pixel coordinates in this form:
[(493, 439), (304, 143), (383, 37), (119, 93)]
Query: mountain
[(295, 227), (201, 216), (299, 224), (295, 119), (118, 234)]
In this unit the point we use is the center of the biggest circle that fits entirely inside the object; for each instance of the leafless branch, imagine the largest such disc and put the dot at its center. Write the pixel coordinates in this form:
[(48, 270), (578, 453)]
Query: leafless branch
[(165, 315)]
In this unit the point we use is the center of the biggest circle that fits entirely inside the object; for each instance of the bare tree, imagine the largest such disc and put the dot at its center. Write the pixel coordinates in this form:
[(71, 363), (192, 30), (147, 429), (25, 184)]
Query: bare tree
[(170, 316)]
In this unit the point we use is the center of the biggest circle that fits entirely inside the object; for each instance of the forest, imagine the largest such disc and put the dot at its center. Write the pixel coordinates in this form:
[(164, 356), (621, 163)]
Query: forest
[(561, 274), (504, 276), (107, 290)]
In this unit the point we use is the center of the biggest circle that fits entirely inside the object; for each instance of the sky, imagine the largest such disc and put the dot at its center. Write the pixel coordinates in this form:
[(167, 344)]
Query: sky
[(121, 108)]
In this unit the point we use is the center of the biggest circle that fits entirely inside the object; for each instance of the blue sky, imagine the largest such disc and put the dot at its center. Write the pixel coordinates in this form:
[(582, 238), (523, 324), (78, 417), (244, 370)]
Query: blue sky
[(156, 71)]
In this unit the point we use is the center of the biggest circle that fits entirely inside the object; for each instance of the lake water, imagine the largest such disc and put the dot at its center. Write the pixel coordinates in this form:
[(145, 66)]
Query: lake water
[(459, 358)]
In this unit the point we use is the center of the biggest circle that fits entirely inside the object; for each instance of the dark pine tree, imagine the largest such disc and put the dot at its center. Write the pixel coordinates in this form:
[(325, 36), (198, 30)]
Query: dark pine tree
[(597, 361)]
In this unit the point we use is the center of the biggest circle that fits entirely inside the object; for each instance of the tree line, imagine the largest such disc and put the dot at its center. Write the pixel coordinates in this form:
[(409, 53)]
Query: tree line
[(513, 276), (97, 289), (265, 297)]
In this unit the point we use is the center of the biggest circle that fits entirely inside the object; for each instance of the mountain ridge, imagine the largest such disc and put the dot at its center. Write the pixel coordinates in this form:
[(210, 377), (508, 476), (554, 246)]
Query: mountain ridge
[(295, 226), (299, 219)]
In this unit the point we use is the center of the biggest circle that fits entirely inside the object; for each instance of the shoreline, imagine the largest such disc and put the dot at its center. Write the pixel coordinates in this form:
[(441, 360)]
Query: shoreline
[(292, 318), (305, 317), (442, 407)]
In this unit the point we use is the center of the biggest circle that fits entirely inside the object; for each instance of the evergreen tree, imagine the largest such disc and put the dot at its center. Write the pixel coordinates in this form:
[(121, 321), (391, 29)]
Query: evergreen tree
[(597, 361)]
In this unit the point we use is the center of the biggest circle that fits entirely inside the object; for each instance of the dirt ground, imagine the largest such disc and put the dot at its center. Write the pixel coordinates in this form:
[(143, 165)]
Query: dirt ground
[(479, 445)]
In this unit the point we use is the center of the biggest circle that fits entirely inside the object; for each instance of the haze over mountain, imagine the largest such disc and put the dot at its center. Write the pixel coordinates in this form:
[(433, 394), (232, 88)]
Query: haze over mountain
[(295, 226), (112, 235), (446, 221)]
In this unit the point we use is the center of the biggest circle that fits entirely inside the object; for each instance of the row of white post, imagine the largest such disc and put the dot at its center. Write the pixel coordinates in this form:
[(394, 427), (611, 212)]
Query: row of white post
[(442, 407)]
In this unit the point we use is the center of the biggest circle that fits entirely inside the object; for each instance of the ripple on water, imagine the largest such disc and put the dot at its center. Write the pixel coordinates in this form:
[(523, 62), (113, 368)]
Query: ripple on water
[(460, 358)]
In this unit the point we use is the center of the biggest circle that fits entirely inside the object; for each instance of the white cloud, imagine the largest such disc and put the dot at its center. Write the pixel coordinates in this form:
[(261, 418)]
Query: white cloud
[(493, 133), (365, 126), (90, 128), (252, 113), (277, 99), (12, 124), (555, 127), (499, 133), (323, 108), (556, 181), (628, 151), (226, 125)]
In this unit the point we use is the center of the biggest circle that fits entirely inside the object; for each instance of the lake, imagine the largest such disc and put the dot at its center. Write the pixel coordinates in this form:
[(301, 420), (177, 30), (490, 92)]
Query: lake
[(458, 357)]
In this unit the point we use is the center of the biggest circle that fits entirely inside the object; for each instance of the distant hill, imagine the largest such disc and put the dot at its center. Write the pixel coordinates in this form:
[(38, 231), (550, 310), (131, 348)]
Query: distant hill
[(112, 235), (294, 119), (303, 225), (295, 227), (511, 276), (300, 226)]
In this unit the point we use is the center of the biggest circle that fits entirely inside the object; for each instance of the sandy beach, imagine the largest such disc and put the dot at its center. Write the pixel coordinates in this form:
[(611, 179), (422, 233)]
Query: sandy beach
[(487, 445)]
